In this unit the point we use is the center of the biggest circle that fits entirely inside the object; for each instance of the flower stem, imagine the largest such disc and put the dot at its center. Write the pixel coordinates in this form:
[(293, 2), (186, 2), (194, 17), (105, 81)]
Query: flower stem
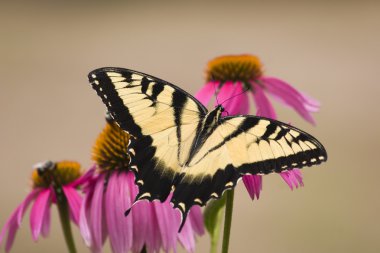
[(228, 220), (143, 250), (63, 210)]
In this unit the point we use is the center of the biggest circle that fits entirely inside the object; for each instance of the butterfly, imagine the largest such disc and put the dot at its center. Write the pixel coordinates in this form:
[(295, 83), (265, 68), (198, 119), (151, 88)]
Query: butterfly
[(179, 146)]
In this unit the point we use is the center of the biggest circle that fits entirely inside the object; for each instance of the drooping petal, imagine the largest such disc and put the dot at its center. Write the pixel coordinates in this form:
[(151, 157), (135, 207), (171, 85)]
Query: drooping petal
[(126, 203), (264, 107), (311, 104), (14, 221), (11, 237), (205, 93), (290, 96), (153, 236), (46, 222), (196, 218), (293, 178), (140, 214), (38, 211), (167, 222), (193, 224), (253, 184), (117, 201), (111, 214), (84, 217), (96, 217), (186, 237), (24, 205), (74, 200)]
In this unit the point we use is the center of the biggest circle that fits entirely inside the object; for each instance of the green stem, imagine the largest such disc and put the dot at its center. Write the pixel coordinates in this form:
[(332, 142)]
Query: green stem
[(63, 210), (228, 220), (216, 236)]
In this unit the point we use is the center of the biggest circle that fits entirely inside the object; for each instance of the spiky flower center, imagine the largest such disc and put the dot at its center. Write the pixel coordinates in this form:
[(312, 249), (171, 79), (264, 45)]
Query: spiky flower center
[(243, 68), (111, 148), (48, 173)]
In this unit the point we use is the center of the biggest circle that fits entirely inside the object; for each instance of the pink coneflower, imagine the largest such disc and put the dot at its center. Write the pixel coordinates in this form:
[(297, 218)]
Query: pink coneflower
[(53, 183), (150, 226), (233, 78)]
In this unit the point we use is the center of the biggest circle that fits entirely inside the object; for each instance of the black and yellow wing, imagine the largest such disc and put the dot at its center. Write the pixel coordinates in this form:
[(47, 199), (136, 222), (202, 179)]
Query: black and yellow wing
[(170, 154), (163, 118), (242, 145)]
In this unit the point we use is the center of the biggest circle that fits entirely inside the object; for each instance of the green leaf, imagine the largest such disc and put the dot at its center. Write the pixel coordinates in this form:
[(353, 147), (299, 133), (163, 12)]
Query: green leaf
[(213, 216)]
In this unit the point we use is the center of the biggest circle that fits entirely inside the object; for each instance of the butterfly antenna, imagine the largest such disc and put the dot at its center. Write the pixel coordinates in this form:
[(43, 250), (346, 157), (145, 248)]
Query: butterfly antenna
[(244, 91), (215, 93)]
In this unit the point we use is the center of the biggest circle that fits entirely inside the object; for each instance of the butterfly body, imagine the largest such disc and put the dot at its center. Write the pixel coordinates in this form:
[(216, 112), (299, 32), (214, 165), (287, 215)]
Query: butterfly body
[(206, 126), (182, 148)]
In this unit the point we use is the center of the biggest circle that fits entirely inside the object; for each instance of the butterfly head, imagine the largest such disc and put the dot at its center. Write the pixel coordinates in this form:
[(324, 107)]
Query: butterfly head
[(219, 109)]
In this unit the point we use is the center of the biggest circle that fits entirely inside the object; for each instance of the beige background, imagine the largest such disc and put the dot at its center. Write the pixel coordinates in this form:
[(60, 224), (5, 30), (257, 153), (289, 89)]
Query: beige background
[(327, 49)]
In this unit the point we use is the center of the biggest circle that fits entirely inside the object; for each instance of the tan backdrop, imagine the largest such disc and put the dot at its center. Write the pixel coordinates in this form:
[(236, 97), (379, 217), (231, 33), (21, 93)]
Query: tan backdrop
[(329, 50)]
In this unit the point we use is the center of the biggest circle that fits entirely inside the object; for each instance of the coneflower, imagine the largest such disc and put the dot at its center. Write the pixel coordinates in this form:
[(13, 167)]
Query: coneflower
[(234, 78), (53, 183), (150, 226)]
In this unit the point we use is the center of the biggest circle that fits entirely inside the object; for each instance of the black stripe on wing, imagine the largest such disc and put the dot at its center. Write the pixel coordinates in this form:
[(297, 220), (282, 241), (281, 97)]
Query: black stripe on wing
[(105, 89)]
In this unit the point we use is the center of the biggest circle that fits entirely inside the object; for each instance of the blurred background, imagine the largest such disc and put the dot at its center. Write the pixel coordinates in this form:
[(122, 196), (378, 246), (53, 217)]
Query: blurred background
[(328, 49)]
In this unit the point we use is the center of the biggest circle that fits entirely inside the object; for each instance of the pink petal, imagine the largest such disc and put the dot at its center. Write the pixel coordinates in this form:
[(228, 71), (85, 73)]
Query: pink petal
[(289, 96), (196, 218), (14, 221), (293, 178), (167, 224), (153, 236), (38, 212), (46, 222), (74, 200), (243, 101), (298, 175), (127, 186), (117, 200), (11, 236), (230, 102), (140, 214), (84, 220), (311, 104), (24, 205), (84, 178), (186, 237), (263, 105), (205, 93), (96, 217), (253, 184)]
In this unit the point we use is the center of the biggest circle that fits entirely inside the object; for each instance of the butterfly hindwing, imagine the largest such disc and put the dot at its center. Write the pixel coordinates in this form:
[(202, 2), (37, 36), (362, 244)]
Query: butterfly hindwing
[(243, 145)]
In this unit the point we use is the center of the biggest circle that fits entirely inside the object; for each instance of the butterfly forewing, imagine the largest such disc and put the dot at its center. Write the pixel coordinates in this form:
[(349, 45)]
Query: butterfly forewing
[(163, 118)]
